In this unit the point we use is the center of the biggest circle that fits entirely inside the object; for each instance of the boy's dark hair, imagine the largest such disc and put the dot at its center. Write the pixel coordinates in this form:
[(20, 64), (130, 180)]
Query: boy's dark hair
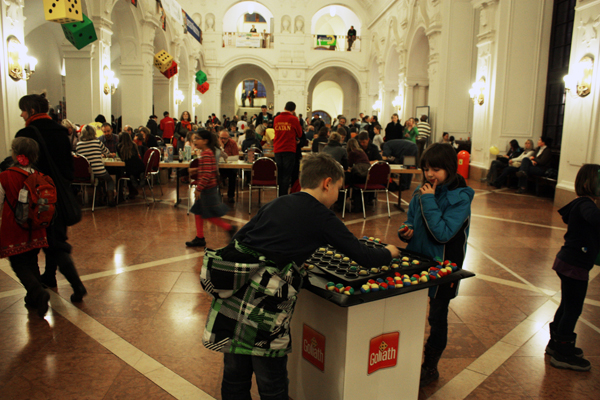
[(586, 182), (167, 113), (152, 116), (424, 118), (317, 167), (27, 147), (249, 134), (34, 104), (290, 106), (547, 141), (323, 131), (443, 156), (364, 135)]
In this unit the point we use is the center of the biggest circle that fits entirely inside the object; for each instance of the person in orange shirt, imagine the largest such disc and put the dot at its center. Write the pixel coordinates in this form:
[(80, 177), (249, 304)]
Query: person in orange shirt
[(287, 133)]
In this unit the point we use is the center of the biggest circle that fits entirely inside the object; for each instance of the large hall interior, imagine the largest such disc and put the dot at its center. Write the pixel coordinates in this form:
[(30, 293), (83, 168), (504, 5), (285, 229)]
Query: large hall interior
[(486, 72)]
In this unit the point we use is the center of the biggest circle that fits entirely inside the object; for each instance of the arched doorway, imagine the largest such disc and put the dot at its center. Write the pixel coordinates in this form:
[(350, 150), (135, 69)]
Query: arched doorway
[(417, 76), (335, 80), (328, 96), (231, 89)]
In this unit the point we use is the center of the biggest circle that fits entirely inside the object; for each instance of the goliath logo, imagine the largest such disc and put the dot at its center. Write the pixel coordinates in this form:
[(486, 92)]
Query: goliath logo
[(383, 352), (313, 347)]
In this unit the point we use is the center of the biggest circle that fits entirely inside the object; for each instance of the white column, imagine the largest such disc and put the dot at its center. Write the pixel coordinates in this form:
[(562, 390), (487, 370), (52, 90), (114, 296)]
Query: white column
[(101, 103), (132, 107), (162, 95), (10, 91), (79, 84)]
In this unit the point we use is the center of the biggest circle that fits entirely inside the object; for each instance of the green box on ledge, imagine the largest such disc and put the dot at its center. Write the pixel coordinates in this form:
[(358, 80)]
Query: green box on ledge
[(80, 34)]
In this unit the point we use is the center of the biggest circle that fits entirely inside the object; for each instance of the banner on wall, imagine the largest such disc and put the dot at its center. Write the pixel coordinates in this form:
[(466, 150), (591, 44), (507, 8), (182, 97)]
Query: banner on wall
[(191, 28), (248, 40), (173, 10), (326, 40)]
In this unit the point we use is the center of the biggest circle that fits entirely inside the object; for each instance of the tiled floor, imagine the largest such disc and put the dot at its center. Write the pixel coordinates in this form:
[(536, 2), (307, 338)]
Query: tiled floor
[(138, 333)]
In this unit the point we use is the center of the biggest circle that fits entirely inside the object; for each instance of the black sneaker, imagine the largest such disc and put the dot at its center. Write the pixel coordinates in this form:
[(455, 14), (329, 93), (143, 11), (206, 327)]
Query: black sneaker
[(42, 306), (550, 348), (78, 293), (428, 376), (571, 361), (197, 242)]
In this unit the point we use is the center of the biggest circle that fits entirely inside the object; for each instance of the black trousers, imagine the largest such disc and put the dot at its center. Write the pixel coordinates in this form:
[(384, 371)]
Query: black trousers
[(231, 175), (571, 305), (27, 270), (285, 168), (438, 321), (58, 253)]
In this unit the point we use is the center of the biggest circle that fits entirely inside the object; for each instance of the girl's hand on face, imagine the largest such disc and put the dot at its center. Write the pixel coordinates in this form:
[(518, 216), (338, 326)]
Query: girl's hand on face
[(428, 188)]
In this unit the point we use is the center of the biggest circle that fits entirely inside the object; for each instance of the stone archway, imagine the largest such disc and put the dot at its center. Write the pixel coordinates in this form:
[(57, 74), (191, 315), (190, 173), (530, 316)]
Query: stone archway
[(346, 81), (230, 82), (417, 76)]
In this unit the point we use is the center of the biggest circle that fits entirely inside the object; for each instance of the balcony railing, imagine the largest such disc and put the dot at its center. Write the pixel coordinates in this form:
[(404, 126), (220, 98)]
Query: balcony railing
[(247, 40), (335, 43)]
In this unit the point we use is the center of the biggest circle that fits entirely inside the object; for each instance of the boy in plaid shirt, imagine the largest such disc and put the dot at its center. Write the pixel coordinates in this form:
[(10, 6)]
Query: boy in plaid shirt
[(256, 279)]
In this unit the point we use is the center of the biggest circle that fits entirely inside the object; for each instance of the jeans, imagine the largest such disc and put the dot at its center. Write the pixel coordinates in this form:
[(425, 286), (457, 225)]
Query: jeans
[(571, 305), (285, 167), (110, 183), (438, 322), (530, 170), (501, 179), (271, 377), (27, 270), (231, 175)]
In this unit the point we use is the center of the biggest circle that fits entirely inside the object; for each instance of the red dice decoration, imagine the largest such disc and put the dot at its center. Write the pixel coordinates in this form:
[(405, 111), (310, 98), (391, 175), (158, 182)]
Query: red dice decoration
[(169, 73), (203, 88)]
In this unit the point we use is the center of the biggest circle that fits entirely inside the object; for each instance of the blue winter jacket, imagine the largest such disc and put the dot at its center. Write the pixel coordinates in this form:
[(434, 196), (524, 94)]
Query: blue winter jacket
[(441, 227)]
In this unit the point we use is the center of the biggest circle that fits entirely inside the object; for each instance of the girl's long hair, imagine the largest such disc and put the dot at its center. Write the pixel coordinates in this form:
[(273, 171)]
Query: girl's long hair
[(127, 149)]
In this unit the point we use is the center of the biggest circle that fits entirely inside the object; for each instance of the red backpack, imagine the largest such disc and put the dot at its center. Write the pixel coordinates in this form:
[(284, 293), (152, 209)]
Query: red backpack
[(38, 211)]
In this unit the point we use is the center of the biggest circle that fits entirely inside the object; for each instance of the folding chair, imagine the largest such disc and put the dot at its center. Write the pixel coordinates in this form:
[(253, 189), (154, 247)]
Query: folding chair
[(84, 176), (263, 176), (152, 162), (378, 180)]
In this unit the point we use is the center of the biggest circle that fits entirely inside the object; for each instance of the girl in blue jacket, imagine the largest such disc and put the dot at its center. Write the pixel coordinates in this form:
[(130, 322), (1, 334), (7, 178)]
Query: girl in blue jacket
[(437, 225)]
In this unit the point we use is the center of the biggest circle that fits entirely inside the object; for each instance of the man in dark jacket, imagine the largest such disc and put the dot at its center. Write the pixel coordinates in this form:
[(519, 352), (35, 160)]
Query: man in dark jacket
[(535, 165), (394, 130), (153, 125), (53, 140), (369, 148)]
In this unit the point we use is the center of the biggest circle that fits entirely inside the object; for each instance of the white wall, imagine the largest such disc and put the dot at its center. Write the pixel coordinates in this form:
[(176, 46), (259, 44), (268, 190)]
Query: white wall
[(328, 96)]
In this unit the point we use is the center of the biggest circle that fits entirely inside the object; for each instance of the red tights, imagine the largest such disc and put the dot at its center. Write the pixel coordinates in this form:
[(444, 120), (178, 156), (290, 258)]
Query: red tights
[(215, 221)]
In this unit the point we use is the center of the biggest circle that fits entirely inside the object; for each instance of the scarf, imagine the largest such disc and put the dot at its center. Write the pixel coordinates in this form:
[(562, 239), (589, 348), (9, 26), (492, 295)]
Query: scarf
[(36, 117)]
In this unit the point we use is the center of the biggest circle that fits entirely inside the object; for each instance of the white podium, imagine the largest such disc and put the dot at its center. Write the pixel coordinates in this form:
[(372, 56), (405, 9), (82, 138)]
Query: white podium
[(337, 350)]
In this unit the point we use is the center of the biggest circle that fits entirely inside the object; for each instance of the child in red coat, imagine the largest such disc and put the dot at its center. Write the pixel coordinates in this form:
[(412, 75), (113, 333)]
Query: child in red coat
[(20, 245)]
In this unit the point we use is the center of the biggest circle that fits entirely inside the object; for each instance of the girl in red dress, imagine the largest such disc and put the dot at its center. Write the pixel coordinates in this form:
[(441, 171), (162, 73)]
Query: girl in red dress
[(20, 245)]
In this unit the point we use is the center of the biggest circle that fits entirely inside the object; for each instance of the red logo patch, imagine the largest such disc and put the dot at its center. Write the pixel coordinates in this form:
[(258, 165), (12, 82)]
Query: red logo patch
[(313, 347), (383, 351)]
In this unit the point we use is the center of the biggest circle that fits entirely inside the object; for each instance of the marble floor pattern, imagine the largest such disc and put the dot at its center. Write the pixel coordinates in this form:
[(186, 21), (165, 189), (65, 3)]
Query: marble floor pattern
[(137, 335)]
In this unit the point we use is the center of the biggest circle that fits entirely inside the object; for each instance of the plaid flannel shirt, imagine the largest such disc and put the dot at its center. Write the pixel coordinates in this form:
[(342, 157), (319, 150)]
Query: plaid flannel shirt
[(252, 306)]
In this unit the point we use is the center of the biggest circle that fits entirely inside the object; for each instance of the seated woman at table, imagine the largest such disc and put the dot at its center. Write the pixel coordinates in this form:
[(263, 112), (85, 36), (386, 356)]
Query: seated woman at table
[(92, 149), (514, 164), (251, 141), (139, 141), (334, 148), (358, 165), (149, 139), (134, 166), (322, 136)]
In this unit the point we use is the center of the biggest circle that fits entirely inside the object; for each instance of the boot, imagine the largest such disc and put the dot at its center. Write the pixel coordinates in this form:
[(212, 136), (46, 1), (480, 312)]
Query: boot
[(42, 304), (551, 347), (79, 291), (564, 354), (429, 371), (197, 242)]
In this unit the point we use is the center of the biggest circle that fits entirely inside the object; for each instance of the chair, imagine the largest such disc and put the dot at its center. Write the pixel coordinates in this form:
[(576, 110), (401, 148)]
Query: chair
[(152, 162), (193, 181), (84, 176), (263, 176), (378, 180)]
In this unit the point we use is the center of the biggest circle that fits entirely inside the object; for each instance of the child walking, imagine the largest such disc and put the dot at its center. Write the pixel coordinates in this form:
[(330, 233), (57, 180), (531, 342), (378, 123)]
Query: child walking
[(208, 204), (20, 245), (572, 265), (438, 222)]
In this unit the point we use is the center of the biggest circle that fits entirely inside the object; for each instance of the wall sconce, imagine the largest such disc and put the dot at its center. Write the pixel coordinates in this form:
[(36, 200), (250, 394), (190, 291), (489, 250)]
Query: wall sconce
[(110, 82), (579, 81), (476, 91), (397, 102), (20, 65), (377, 106), (196, 101), (179, 97)]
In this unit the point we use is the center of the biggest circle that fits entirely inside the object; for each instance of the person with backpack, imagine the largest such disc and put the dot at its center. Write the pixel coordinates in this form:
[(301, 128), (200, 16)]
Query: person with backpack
[(20, 244), (56, 161)]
